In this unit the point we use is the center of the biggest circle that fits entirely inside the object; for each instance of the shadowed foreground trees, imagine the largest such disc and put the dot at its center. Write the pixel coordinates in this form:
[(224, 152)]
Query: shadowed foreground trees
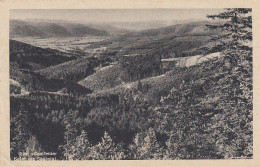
[(205, 113)]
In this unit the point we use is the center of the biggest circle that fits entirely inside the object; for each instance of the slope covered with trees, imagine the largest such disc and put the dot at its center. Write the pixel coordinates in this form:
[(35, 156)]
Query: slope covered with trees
[(33, 58), (198, 112), (26, 59)]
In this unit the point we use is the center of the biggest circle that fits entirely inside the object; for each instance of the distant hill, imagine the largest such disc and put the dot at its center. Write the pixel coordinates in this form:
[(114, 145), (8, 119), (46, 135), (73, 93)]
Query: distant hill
[(173, 41), (148, 24), (192, 28), (45, 29), (108, 27)]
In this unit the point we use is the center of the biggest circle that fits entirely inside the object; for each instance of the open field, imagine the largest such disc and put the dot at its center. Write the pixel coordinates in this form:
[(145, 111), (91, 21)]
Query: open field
[(69, 44)]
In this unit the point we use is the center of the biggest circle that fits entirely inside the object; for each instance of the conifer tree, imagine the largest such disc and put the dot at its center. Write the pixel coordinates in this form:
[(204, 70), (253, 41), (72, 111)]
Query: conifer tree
[(146, 146), (21, 132), (107, 150), (82, 147), (152, 147), (235, 39), (172, 147), (135, 149), (33, 146), (236, 119), (70, 135)]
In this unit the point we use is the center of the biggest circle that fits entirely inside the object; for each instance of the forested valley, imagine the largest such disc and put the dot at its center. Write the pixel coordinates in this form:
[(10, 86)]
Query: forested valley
[(122, 104)]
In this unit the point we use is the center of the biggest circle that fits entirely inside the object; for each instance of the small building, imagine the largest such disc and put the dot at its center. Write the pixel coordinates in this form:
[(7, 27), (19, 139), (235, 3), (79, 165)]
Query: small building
[(169, 64)]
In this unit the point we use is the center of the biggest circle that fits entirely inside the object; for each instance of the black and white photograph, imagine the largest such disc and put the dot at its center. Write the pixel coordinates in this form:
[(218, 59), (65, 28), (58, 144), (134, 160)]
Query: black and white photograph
[(131, 84)]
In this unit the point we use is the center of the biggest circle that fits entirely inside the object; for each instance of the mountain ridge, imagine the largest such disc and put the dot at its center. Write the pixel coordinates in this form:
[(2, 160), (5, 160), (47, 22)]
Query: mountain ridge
[(43, 29)]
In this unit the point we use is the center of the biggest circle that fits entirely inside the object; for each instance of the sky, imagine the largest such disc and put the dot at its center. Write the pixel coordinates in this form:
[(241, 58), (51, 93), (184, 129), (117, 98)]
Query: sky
[(112, 15)]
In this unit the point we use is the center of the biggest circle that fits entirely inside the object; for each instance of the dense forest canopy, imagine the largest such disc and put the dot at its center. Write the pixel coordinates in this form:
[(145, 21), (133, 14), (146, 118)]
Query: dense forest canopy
[(60, 108)]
